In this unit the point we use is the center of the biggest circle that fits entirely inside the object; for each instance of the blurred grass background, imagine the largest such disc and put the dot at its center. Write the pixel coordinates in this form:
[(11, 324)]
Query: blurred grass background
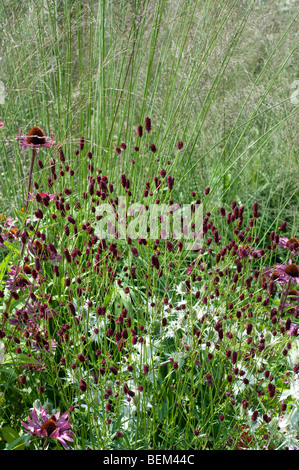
[(217, 75)]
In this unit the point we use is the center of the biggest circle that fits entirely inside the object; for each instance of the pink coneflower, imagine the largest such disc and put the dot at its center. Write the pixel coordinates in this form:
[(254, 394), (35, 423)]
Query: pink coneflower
[(22, 282), (2, 239), (294, 330), (44, 251), (293, 295), (2, 123), (248, 251), (291, 243), (53, 426), (270, 273), (35, 139), (43, 345), (287, 273), (36, 366), (28, 317), (13, 232)]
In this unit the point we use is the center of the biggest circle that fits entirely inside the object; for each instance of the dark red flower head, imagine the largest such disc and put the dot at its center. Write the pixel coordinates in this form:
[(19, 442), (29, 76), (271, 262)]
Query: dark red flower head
[(148, 124), (140, 131)]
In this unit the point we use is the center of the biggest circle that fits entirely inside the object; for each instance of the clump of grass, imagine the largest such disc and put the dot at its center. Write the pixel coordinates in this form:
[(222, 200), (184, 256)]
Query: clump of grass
[(217, 75)]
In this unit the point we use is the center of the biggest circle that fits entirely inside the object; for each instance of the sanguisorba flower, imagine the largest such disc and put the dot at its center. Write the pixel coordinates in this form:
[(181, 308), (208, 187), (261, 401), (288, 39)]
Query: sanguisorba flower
[(35, 138), (53, 426)]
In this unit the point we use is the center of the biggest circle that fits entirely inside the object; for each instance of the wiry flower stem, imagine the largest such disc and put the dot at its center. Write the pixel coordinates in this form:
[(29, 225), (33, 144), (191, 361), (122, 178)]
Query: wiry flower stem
[(45, 444), (30, 177), (283, 297)]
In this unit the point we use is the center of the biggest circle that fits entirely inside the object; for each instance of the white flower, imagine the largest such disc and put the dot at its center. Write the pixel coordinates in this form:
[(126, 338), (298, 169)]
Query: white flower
[(254, 425), (239, 385), (200, 310), (171, 329), (181, 288), (293, 355), (95, 322), (293, 390), (290, 422), (270, 340)]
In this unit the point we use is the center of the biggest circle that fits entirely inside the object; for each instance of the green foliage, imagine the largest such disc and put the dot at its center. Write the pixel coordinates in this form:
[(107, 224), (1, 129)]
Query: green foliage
[(217, 76)]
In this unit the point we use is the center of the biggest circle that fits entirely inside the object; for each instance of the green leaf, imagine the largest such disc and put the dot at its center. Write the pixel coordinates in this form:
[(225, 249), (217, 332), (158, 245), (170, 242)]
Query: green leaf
[(11, 247), (18, 444), (8, 370), (19, 359), (4, 264), (20, 214), (2, 349), (9, 434)]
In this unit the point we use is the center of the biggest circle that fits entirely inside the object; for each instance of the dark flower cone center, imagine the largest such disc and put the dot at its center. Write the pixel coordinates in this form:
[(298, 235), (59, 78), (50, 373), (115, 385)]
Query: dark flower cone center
[(49, 426), (41, 249), (37, 245), (35, 136), (294, 242), (292, 270), (274, 276), (27, 269), (12, 232), (293, 293)]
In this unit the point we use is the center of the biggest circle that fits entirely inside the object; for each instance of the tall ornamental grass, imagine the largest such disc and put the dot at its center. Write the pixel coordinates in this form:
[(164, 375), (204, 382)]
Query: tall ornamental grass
[(149, 227)]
